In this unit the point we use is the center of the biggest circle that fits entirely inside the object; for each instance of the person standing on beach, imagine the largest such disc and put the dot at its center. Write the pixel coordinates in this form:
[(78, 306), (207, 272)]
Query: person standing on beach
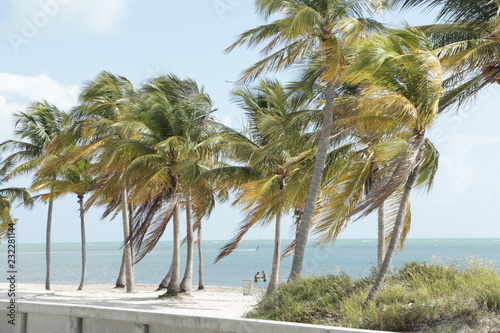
[(264, 276)]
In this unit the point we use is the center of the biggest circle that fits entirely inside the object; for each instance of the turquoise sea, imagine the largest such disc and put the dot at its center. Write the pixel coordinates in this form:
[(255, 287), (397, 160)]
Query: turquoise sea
[(355, 257)]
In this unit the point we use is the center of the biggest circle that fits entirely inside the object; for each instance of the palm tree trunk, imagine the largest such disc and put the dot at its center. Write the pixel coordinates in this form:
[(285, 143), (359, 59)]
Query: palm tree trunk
[(47, 244), (381, 236), (84, 243), (127, 249), (396, 235), (131, 228), (291, 247), (187, 281), (120, 281), (274, 279), (201, 283), (166, 280), (312, 195), (174, 285)]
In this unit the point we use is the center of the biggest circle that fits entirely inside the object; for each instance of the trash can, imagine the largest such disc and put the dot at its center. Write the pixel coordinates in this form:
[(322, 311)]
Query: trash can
[(247, 287)]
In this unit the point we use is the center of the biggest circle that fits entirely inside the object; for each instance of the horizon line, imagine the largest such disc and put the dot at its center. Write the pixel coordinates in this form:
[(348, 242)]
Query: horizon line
[(290, 239)]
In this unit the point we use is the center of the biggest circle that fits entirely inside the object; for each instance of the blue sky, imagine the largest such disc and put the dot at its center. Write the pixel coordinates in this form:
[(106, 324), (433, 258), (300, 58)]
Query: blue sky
[(51, 47)]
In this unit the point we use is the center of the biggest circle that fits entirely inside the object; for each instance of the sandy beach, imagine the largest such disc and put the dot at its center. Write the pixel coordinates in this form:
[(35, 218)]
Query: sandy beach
[(214, 301)]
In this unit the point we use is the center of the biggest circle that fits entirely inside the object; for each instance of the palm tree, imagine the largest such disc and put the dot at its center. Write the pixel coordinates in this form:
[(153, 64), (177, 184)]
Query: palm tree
[(105, 101), (112, 192), (201, 281), (72, 178), (278, 119), (199, 203), (201, 210), (203, 198), (36, 128), (187, 281), (176, 116), (314, 32), (403, 79), (173, 287)]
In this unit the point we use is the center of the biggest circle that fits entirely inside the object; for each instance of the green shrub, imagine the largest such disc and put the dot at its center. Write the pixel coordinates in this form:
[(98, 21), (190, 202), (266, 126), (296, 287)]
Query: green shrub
[(418, 297)]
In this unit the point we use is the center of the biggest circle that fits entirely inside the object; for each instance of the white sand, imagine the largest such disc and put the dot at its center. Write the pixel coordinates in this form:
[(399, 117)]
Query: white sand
[(214, 301)]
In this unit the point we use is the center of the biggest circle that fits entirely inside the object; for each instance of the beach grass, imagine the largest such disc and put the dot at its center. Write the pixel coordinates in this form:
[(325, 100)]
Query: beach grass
[(419, 297)]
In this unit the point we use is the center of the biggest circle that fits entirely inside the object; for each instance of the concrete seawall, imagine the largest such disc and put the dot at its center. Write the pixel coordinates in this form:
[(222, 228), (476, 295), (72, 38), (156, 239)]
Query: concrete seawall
[(35, 317)]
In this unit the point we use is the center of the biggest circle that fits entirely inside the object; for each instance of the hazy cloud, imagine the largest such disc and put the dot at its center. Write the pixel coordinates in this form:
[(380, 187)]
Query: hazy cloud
[(6, 120), (17, 91), (103, 17)]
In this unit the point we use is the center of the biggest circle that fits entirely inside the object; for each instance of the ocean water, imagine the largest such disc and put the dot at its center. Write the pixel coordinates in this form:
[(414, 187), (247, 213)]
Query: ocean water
[(354, 257)]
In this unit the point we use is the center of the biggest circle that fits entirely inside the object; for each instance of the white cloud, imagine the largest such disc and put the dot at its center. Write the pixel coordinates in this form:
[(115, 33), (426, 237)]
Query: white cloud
[(17, 91), (29, 88), (103, 17)]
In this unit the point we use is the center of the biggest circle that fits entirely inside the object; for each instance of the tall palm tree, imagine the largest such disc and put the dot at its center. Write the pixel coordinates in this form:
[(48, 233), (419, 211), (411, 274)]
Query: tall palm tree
[(36, 128), (187, 281), (278, 119), (204, 197), (176, 114), (201, 281), (72, 178), (200, 200), (403, 79), (310, 31), (104, 102), (173, 287)]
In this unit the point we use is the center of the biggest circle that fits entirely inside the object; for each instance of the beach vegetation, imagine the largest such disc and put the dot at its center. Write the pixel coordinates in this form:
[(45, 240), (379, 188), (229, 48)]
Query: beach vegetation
[(35, 130), (418, 297)]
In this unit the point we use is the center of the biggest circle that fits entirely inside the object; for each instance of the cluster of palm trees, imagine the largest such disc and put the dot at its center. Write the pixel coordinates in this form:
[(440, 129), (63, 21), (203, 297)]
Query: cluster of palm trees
[(138, 153), (348, 138)]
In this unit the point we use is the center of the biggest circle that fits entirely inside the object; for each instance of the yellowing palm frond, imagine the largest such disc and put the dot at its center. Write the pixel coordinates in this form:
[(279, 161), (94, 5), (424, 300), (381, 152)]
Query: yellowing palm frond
[(342, 198)]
